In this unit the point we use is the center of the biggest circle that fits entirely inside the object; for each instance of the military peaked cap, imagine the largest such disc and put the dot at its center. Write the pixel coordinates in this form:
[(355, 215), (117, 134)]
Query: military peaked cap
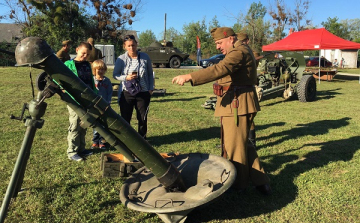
[(66, 42), (221, 33), (91, 41)]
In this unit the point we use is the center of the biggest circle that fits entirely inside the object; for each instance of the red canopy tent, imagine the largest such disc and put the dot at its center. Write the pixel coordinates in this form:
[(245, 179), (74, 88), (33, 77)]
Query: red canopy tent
[(314, 39)]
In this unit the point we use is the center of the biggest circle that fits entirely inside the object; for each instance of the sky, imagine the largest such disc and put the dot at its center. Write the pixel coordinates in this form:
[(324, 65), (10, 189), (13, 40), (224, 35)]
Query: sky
[(183, 12)]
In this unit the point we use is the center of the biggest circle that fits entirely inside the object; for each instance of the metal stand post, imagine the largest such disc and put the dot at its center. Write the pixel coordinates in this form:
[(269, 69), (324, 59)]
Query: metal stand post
[(33, 122)]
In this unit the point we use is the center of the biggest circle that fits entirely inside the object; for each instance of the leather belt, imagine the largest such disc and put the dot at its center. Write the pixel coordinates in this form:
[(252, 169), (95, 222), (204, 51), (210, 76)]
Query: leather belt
[(230, 87)]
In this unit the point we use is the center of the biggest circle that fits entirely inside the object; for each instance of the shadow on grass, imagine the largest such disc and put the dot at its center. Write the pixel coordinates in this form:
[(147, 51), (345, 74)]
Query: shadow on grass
[(328, 94), (161, 95), (342, 78), (250, 203), (320, 95), (186, 136), (312, 129), (262, 127), (162, 99)]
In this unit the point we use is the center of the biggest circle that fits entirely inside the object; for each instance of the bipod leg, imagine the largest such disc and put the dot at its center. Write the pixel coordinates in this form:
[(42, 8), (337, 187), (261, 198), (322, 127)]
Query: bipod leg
[(36, 110)]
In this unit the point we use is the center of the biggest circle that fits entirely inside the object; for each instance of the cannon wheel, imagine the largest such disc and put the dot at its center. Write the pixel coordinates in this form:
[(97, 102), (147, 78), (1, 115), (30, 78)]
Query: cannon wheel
[(306, 89), (175, 62)]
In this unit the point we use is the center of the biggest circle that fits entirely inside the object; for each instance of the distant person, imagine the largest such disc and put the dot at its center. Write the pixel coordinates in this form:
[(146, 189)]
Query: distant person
[(244, 38), (76, 136), (322, 61), (134, 67), (63, 53), (335, 63), (104, 87), (95, 53)]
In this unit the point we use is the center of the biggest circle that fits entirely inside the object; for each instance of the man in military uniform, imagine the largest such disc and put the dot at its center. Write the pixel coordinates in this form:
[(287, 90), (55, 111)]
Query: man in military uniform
[(244, 38), (95, 53), (63, 53), (236, 105)]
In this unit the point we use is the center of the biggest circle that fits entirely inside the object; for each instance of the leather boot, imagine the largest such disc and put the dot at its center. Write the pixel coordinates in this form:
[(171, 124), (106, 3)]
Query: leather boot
[(252, 137)]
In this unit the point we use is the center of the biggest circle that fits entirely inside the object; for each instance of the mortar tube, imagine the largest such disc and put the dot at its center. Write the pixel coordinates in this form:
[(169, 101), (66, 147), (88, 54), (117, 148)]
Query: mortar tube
[(108, 136)]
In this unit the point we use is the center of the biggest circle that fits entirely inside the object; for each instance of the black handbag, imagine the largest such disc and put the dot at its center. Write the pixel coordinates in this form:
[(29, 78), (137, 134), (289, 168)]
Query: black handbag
[(133, 86)]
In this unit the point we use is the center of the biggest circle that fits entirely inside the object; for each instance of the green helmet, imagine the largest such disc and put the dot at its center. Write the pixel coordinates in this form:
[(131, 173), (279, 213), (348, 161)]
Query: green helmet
[(32, 50)]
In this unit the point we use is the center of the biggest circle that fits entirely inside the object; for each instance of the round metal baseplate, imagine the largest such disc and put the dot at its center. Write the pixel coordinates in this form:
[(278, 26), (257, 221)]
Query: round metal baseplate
[(206, 177)]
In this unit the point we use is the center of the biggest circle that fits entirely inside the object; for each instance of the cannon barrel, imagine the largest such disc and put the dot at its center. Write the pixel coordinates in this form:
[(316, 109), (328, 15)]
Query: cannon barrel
[(36, 52)]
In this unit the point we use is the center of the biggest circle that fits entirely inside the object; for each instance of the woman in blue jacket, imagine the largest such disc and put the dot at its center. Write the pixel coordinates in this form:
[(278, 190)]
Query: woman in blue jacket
[(134, 66)]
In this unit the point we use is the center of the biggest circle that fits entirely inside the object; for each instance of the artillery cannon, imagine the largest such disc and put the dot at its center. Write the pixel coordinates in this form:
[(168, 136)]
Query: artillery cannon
[(170, 188), (284, 75)]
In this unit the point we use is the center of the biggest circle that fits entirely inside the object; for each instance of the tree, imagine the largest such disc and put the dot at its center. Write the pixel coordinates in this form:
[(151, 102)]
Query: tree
[(214, 23), (171, 35), (300, 12), (189, 37), (146, 38), (256, 26), (56, 21), (101, 19), (19, 11), (332, 25), (353, 27), (282, 16), (111, 16)]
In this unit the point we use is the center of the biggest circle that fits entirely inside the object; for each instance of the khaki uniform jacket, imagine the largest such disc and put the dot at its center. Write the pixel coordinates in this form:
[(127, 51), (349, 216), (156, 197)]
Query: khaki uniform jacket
[(256, 54), (62, 55), (238, 68)]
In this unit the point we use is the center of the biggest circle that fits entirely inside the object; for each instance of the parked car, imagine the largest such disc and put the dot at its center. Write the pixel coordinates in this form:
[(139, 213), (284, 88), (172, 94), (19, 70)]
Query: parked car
[(212, 60), (314, 62)]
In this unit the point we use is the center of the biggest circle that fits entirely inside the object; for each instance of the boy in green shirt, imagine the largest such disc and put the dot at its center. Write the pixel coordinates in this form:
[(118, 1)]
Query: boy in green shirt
[(76, 136)]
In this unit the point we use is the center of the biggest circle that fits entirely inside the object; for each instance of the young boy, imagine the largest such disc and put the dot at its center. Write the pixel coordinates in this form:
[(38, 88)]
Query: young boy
[(104, 87), (76, 136)]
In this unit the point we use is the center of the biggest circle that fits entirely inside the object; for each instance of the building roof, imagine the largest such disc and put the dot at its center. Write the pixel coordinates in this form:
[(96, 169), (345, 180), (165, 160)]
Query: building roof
[(10, 32)]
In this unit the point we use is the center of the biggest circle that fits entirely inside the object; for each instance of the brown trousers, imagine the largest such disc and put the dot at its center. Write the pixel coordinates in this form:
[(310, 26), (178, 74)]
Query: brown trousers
[(237, 149)]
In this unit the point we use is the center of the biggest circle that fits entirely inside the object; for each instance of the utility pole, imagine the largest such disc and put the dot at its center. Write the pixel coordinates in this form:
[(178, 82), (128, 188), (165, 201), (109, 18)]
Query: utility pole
[(165, 29)]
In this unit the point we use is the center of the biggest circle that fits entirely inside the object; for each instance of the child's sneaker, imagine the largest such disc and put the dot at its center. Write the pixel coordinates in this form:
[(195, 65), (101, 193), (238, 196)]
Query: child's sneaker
[(94, 146), (76, 157), (85, 153)]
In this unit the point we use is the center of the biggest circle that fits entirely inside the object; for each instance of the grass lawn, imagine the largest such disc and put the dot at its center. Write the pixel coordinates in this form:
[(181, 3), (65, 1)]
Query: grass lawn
[(309, 150), (349, 71)]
